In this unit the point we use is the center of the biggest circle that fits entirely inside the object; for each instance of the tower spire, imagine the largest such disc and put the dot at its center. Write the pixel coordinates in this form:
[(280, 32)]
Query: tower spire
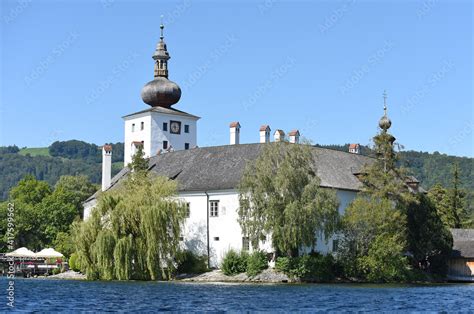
[(385, 122), (161, 92), (161, 29)]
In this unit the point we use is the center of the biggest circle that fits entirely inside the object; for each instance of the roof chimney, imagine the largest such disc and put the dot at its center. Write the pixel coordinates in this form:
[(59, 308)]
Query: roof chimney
[(106, 166), (279, 136), (294, 136), (265, 134), (235, 133), (354, 148)]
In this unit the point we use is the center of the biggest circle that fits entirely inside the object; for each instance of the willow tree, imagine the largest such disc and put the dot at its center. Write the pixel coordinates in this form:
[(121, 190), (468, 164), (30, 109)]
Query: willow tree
[(281, 198), (134, 231)]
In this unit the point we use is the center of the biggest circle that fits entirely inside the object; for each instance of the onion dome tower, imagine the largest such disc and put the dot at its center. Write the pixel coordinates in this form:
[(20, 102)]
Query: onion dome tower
[(161, 92)]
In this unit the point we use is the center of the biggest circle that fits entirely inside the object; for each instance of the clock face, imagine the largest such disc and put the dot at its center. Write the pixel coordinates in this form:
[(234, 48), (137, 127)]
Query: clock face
[(175, 127)]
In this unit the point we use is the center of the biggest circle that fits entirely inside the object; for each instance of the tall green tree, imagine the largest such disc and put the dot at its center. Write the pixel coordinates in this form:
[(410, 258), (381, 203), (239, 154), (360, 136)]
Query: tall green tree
[(457, 196), (429, 240), (27, 197), (280, 197), (134, 231)]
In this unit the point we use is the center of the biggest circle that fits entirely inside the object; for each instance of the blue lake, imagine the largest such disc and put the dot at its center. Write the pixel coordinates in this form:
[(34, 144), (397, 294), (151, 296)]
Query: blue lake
[(63, 295)]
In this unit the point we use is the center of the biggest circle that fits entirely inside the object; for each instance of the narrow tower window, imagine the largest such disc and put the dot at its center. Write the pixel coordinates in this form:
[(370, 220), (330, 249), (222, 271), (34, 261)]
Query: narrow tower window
[(214, 208), (165, 144), (186, 128), (186, 145), (165, 126), (142, 125), (133, 127)]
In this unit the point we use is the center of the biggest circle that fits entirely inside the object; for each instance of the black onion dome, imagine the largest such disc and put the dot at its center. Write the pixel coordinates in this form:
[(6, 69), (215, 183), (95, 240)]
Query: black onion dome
[(161, 92)]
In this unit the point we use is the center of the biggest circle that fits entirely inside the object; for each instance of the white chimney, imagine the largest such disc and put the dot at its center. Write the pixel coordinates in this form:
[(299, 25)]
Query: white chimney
[(106, 166), (354, 148), (294, 136), (235, 133), (265, 134), (279, 136)]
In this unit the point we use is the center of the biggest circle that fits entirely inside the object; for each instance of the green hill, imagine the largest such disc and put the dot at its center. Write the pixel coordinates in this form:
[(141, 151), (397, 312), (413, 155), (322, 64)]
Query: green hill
[(34, 151)]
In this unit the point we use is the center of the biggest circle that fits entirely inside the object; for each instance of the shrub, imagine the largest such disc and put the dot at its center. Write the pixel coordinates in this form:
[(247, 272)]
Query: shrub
[(314, 267), (74, 262), (385, 261), (283, 264), (234, 263), (190, 263), (56, 271), (256, 262)]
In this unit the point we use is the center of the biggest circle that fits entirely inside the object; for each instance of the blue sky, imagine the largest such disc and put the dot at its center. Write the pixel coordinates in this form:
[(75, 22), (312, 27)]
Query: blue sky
[(71, 69)]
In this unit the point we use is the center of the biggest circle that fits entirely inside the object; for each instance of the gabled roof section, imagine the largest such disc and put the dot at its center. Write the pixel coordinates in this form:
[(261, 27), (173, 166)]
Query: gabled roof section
[(221, 167), (163, 110), (463, 243)]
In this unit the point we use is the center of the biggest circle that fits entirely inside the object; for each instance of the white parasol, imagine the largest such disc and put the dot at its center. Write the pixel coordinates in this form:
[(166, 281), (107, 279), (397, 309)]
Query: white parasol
[(49, 253), (21, 252)]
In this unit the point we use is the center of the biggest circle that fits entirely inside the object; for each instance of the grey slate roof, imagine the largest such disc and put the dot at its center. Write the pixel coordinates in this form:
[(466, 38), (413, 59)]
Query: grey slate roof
[(165, 111), (221, 167), (463, 243)]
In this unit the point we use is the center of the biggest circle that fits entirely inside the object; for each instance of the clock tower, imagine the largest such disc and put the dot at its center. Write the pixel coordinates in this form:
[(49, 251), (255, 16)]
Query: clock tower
[(159, 129)]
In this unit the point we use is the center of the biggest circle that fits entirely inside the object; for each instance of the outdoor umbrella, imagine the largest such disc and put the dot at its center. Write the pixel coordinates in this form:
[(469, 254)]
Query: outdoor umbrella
[(49, 253), (21, 252)]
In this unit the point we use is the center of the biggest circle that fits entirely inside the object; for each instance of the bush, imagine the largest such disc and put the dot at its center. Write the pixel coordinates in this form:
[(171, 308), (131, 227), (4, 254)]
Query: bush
[(385, 261), (283, 264), (256, 263), (190, 263), (314, 267), (74, 262), (234, 263), (56, 271)]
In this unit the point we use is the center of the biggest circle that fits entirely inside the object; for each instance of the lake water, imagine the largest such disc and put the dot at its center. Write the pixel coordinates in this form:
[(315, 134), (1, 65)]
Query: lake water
[(63, 295)]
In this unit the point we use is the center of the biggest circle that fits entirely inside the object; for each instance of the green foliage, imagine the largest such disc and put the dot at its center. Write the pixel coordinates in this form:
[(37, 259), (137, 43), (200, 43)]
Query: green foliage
[(429, 240), (75, 149), (34, 151), (256, 263), (190, 263), (308, 267), (74, 262), (134, 231), (139, 163), (280, 195), (234, 263), (42, 215), (283, 264), (63, 243), (385, 261), (56, 271), (15, 164)]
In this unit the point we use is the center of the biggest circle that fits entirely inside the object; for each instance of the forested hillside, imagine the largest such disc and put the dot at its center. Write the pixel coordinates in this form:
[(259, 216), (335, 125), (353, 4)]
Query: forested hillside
[(48, 164), (76, 157)]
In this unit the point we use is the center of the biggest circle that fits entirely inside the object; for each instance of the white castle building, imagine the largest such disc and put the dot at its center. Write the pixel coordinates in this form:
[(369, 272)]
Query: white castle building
[(208, 176)]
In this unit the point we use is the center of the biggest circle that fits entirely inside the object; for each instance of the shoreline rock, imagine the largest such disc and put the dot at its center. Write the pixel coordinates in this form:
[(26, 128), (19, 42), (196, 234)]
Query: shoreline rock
[(70, 274), (266, 276)]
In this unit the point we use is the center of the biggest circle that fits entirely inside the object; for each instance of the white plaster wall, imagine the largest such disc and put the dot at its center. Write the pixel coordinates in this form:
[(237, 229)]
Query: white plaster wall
[(176, 140), (137, 136), (88, 208), (153, 136)]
